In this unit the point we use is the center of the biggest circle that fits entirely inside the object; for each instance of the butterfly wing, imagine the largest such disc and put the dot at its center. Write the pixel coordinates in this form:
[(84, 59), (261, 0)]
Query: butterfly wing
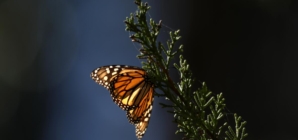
[(131, 90), (124, 82), (140, 116)]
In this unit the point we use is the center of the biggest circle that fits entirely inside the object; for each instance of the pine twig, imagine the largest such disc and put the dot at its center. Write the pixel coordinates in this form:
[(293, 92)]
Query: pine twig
[(198, 114)]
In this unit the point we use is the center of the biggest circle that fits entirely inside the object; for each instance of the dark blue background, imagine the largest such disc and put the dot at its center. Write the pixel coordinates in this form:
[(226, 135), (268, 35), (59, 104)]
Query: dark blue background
[(48, 50), (245, 49)]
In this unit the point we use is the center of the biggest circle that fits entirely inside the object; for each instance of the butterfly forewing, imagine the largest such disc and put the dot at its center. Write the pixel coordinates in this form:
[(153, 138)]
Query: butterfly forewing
[(104, 75), (108, 76)]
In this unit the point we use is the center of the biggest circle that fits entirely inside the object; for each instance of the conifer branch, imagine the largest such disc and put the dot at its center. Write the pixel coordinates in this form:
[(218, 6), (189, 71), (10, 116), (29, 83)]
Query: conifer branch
[(198, 114)]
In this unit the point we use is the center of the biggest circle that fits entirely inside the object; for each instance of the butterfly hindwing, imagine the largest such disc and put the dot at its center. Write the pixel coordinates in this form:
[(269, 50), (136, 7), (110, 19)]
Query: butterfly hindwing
[(140, 116)]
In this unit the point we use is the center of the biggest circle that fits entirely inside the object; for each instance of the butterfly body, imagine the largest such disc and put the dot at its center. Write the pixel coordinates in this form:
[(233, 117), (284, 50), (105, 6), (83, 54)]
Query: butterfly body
[(131, 89)]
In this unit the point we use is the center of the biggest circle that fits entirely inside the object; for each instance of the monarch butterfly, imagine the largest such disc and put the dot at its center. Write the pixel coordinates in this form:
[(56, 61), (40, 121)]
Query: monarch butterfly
[(131, 90)]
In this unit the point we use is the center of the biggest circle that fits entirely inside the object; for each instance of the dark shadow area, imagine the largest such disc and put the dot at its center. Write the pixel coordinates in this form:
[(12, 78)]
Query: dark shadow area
[(245, 49)]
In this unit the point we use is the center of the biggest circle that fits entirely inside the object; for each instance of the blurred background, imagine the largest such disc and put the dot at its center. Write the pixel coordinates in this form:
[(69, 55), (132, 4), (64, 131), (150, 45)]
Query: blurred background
[(245, 49)]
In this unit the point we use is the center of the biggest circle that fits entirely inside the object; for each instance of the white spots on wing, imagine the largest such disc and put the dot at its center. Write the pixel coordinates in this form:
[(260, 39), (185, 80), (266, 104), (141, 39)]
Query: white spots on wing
[(105, 78), (108, 70), (146, 120), (106, 83), (116, 69), (118, 66)]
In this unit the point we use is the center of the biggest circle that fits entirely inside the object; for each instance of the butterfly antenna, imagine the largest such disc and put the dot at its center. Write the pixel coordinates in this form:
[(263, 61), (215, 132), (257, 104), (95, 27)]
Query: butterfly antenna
[(132, 42), (149, 14), (164, 25)]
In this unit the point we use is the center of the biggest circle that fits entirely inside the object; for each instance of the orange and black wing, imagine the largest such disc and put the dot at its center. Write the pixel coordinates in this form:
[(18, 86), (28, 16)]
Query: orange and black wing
[(131, 90), (124, 82), (140, 116)]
